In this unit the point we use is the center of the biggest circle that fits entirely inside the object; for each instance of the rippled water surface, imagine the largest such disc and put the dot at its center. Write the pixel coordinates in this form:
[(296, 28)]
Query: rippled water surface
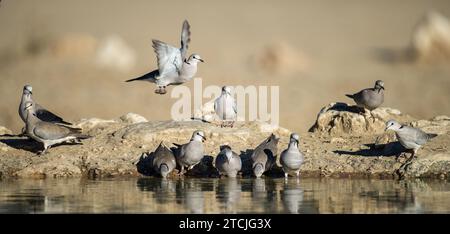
[(154, 195)]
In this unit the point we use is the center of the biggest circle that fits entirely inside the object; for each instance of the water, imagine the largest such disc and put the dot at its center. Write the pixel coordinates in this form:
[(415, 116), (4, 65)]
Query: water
[(154, 195)]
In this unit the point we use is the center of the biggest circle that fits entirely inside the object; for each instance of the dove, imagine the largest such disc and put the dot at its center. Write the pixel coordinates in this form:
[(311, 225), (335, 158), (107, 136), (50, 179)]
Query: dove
[(225, 107), (264, 155), (191, 153), (173, 66), (228, 162), (41, 112), (370, 98), (410, 138), (49, 133), (164, 161), (291, 158)]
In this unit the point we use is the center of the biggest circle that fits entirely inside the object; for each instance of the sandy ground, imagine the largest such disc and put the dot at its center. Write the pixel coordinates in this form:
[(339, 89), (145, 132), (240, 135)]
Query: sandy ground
[(336, 46)]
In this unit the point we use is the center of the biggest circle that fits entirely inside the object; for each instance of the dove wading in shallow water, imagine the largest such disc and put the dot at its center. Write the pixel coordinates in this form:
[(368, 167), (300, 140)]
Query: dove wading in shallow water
[(370, 98), (191, 153), (228, 162), (49, 133), (409, 137), (291, 158), (173, 66), (264, 155), (41, 112), (164, 161), (225, 107)]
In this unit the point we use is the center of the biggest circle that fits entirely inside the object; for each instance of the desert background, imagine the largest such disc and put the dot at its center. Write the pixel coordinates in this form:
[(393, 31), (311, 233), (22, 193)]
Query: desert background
[(77, 54)]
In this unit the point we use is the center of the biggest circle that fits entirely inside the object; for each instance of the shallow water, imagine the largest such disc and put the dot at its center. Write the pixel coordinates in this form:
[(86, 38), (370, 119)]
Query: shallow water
[(154, 195)]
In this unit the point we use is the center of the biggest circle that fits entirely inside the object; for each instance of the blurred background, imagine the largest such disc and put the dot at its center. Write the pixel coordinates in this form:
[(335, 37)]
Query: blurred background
[(77, 54)]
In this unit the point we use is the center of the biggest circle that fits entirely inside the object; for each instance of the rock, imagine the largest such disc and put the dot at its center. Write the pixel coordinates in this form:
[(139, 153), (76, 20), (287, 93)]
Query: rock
[(114, 53), (340, 118), (280, 59), (4, 131), (438, 125), (435, 165), (441, 118), (117, 148), (431, 39), (132, 118), (337, 140), (93, 123)]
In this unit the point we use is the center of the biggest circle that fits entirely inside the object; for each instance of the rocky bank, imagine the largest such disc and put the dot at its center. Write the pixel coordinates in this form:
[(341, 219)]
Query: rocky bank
[(342, 143)]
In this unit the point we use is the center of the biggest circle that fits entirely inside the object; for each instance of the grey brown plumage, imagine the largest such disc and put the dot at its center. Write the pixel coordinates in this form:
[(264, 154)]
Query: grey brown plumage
[(410, 138), (291, 158), (164, 161), (41, 113), (228, 162), (370, 98), (190, 154), (49, 133), (150, 77), (174, 67), (264, 155)]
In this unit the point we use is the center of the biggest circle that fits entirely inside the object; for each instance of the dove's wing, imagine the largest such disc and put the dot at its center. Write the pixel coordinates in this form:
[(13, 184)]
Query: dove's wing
[(169, 58), (47, 116), (50, 131), (185, 39)]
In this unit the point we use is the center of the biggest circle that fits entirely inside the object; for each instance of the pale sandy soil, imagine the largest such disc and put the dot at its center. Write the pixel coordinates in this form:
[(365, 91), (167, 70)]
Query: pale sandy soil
[(340, 41)]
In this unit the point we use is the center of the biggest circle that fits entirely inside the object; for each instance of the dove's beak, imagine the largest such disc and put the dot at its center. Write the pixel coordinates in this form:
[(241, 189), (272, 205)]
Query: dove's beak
[(201, 60), (203, 139)]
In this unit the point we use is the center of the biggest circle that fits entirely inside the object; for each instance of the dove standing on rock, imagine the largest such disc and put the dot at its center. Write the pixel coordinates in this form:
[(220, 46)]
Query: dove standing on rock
[(49, 133), (225, 107), (291, 158), (264, 156), (190, 154), (41, 112), (173, 66), (370, 98), (228, 162), (409, 137), (164, 161)]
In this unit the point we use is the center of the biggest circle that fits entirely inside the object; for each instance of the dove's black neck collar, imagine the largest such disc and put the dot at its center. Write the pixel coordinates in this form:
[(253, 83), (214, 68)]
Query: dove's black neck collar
[(185, 60)]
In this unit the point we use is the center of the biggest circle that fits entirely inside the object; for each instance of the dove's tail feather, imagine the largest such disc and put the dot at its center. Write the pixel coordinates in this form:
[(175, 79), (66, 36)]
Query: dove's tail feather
[(82, 136), (64, 122), (349, 95), (431, 135), (151, 76)]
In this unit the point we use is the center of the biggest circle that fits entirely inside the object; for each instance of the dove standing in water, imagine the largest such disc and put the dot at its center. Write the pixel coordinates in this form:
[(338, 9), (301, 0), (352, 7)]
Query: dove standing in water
[(164, 160), (228, 162), (190, 154), (370, 98), (291, 158), (409, 137), (49, 133), (173, 66), (225, 107), (41, 112), (264, 156)]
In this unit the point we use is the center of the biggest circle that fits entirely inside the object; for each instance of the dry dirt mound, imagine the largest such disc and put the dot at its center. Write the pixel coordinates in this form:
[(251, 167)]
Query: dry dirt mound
[(123, 146)]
